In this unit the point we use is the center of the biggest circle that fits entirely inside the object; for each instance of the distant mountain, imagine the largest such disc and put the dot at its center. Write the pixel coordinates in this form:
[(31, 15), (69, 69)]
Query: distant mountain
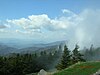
[(41, 47), (18, 43), (23, 43), (6, 48)]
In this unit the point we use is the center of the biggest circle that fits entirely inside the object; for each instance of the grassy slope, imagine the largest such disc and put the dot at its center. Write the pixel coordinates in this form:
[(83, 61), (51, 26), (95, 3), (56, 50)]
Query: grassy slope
[(87, 68)]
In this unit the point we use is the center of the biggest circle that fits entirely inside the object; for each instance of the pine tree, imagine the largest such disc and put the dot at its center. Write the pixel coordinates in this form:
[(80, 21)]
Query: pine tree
[(91, 50), (77, 56), (41, 53), (65, 60)]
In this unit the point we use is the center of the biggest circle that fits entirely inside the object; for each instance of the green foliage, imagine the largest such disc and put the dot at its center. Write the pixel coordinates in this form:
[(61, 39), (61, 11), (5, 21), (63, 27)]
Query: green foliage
[(68, 59), (77, 56), (65, 60), (22, 64), (85, 68), (92, 54), (43, 53)]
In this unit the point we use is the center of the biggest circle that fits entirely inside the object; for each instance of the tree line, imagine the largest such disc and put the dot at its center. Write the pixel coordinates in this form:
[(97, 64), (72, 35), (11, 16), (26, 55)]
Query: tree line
[(22, 64), (92, 53), (69, 58)]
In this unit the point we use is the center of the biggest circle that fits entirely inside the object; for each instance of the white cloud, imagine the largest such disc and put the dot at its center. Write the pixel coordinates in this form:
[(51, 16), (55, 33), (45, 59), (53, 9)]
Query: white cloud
[(67, 11), (82, 28), (36, 22), (88, 28)]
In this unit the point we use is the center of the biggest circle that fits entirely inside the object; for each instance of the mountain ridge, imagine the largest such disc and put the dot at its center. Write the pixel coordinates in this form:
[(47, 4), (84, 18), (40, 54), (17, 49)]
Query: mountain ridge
[(6, 49)]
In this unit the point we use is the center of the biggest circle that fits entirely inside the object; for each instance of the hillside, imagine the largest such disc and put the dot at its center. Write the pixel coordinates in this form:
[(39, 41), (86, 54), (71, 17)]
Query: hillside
[(87, 68), (5, 48)]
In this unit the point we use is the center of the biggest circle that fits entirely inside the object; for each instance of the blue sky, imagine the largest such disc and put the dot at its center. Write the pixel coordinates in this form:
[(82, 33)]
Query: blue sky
[(51, 20), (22, 8)]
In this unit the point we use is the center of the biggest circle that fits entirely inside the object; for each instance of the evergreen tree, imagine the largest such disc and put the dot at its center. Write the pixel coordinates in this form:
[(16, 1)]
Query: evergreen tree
[(44, 53), (65, 60), (91, 51), (35, 55), (77, 56), (41, 53)]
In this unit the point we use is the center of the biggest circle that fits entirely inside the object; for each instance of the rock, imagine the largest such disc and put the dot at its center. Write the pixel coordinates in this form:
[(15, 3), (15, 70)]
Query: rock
[(97, 73), (42, 72)]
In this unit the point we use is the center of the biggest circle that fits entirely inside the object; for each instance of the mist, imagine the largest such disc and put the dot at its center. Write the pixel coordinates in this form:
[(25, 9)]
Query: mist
[(77, 28), (86, 28)]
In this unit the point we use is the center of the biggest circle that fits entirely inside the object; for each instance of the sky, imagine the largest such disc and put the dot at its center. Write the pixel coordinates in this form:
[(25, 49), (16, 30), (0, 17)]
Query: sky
[(77, 21)]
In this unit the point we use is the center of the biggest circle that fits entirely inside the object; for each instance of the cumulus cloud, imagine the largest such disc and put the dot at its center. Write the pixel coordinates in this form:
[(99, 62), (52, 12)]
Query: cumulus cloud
[(82, 28), (36, 22), (32, 22)]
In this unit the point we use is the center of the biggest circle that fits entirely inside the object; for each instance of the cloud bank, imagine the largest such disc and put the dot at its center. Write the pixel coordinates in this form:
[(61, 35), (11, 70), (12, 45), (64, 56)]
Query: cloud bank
[(82, 28)]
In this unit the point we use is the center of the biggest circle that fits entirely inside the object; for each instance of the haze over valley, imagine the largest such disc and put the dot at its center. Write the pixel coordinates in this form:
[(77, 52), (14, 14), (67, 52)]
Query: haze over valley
[(49, 37)]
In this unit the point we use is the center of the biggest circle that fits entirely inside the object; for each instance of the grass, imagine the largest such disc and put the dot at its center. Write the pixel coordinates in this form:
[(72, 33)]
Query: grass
[(87, 68)]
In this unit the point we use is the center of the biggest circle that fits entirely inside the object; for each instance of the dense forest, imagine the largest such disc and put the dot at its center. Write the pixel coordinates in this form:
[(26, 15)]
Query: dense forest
[(22, 64), (92, 54)]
